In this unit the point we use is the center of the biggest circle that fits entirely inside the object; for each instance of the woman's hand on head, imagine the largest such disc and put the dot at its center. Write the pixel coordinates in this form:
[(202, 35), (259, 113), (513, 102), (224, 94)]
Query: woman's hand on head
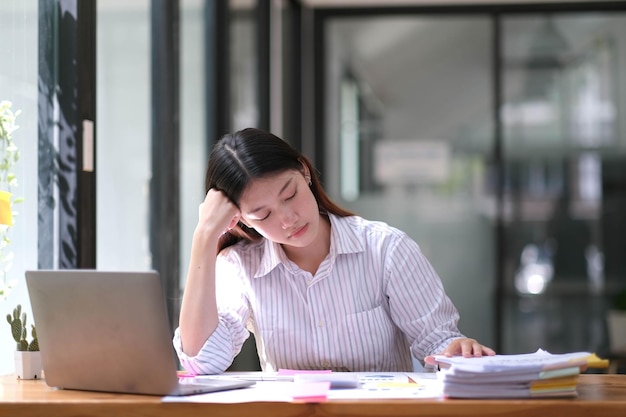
[(217, 213), (463, 347)]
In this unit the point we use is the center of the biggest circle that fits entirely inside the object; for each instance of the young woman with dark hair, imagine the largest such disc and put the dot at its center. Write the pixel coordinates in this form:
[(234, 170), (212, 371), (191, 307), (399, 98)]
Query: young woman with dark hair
[(320, 287)]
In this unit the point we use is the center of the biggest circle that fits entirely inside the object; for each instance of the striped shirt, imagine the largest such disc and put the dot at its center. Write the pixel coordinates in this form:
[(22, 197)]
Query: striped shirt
[(373, 300)]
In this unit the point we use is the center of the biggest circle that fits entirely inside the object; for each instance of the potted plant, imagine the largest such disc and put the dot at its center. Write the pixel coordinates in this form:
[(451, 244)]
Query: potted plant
[(616, 322), (27, 356)]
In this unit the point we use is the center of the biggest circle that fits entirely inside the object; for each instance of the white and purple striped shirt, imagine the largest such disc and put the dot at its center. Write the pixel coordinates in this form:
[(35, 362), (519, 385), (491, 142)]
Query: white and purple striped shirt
[(373, 301)]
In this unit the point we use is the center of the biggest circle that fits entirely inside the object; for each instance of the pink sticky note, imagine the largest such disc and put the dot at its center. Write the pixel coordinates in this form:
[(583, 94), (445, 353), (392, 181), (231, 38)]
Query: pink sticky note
[(185, 374), (303, 371), (309, 391)]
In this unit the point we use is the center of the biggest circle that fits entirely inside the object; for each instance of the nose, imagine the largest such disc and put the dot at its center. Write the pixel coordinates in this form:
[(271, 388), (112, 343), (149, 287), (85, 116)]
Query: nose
[(288, 219)]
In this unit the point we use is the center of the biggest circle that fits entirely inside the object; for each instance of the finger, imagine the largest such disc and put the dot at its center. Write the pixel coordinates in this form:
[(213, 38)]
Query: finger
[(467, 347), (488, 351), (454, 348)]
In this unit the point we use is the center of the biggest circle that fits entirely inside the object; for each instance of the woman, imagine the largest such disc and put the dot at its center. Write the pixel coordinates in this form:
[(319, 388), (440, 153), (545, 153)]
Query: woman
[(320, 287)]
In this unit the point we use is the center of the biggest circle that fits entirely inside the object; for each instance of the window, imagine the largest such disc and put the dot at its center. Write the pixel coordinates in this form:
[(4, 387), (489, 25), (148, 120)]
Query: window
[(18, 84)]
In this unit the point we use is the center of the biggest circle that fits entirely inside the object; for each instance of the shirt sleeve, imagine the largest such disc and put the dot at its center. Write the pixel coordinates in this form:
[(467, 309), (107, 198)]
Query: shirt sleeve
[(219, 350), (418, 303)]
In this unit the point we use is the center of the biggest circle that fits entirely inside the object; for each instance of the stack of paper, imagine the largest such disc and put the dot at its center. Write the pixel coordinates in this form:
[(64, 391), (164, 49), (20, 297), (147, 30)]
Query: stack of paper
[(539, 374)]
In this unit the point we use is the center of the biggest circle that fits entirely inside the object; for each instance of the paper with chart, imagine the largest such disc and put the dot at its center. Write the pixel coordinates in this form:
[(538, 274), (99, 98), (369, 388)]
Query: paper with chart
[(275, 387)]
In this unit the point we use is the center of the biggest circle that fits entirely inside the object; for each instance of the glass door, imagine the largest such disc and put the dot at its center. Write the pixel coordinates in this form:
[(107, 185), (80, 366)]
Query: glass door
[(409, 141), (412, 139), (564, 159)]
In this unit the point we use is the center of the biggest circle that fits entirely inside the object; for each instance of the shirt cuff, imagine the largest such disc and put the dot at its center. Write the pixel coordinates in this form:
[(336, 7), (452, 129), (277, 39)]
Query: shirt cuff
[(219, 350)]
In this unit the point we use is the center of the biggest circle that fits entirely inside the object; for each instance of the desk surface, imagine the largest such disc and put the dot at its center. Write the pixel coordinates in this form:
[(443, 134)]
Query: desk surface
[(603, 395)]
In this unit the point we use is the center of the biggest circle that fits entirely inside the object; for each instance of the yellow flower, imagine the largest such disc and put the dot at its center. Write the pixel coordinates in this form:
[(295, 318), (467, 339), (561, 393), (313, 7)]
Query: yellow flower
[(6, 217)]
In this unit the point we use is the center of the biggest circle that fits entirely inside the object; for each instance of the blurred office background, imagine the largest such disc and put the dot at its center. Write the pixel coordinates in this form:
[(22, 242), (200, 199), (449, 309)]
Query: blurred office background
[(493, 132)]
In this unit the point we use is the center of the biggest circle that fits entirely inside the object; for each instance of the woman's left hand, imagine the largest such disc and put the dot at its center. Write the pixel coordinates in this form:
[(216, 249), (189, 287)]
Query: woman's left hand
[(465, 347)]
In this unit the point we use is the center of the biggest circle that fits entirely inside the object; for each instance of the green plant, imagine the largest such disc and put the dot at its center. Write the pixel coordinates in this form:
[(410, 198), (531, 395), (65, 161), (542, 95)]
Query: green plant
[(18, 330), (9, 155)]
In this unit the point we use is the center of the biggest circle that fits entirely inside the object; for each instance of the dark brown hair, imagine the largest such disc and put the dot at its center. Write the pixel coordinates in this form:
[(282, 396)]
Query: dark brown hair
[(240, 157)]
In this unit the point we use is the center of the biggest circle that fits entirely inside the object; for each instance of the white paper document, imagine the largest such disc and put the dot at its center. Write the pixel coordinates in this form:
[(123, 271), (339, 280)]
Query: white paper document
[(538, 374), (538, 361), (271, 387)]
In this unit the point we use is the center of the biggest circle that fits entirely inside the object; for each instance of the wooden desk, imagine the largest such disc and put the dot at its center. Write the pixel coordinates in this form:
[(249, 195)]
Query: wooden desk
[(599, 395)]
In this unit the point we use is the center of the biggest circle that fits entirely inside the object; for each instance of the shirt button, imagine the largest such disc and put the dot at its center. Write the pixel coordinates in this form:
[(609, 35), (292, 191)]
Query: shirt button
[(326, 364), (321, 323)]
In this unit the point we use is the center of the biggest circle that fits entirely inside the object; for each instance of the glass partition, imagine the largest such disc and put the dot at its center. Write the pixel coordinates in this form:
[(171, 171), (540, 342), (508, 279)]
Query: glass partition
[(19, 87), (409, 141), (564, 153), (124, 137), (244, 64)]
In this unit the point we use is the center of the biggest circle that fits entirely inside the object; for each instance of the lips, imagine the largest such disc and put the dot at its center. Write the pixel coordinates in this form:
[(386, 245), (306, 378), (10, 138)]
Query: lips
[(299, 232)]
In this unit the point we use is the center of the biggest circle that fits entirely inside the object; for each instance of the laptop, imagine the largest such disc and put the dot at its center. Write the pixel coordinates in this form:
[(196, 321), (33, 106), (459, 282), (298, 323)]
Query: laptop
[(109, 331)]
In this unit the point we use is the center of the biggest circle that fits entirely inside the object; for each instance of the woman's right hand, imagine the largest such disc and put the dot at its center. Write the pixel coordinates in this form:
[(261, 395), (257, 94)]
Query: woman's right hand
[(217, 213)]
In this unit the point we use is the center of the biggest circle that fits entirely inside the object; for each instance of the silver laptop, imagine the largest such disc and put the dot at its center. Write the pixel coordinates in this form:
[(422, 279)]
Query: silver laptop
[(108, 331)]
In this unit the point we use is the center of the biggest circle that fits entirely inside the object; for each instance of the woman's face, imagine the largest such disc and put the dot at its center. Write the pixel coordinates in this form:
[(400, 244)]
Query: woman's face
[(281, 208)]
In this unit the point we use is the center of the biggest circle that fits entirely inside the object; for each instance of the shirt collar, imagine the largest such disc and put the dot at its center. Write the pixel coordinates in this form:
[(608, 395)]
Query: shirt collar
[(343, 240), (273, 255), (343, 236)]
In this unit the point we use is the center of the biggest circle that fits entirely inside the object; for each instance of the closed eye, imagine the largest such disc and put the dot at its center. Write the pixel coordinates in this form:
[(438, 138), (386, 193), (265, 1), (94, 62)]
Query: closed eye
[(286, 199), (292, 195)]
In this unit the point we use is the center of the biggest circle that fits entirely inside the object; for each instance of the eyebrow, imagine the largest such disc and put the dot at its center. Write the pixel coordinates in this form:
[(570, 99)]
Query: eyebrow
[(289, 181)]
